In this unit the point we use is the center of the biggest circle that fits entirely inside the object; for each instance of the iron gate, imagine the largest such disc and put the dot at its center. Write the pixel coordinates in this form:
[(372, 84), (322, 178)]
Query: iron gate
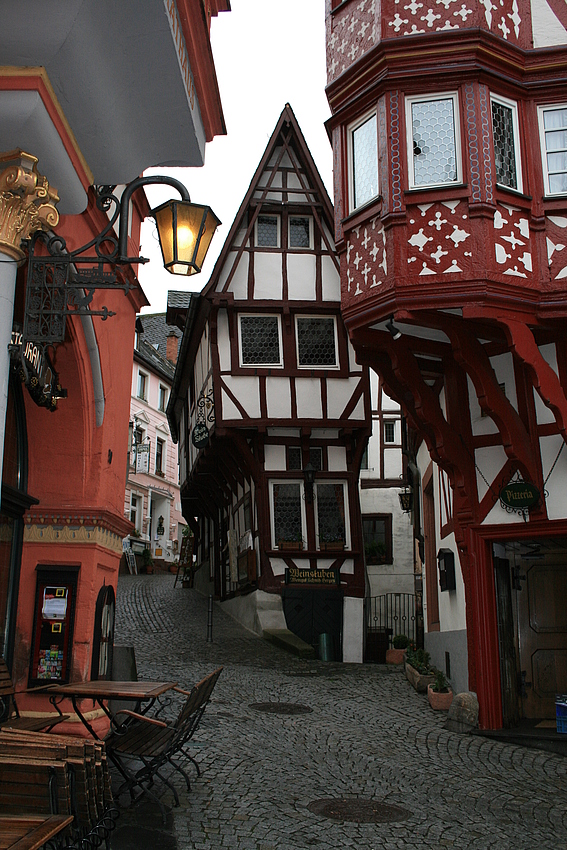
[(387, 616)]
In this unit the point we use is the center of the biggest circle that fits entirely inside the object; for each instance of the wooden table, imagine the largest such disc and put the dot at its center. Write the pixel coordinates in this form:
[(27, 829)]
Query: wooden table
[(28, 832), (101, 691)]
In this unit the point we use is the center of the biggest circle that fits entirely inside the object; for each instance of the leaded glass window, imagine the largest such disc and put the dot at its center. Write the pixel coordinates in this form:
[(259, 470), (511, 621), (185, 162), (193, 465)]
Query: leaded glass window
[(267, 231), (505, 135), (364, 153), (287, 512), (293, 457), (260, 341), (299, 232), (330, 500), (433, 142), (316, 341), (553, 128), (389, 432)]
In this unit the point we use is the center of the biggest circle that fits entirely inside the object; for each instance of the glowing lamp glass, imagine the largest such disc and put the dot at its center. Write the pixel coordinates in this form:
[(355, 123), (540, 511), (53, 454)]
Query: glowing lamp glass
[(185, 231)]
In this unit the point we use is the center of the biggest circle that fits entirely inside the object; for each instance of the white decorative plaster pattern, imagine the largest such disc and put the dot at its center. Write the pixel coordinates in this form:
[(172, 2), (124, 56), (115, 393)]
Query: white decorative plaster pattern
[(437, 238), (512, 242)]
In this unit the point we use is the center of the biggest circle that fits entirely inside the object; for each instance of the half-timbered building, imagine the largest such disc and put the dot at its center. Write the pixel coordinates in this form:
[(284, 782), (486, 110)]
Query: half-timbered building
[(449, 127), (272, 412)]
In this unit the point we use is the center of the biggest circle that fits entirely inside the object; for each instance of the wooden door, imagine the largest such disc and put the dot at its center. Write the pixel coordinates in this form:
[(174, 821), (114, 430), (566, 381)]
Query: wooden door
[(542, 634), (507, 634)]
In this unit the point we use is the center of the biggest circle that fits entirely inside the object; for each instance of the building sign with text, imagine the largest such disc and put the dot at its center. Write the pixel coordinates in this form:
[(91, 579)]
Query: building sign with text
[(294, 575)]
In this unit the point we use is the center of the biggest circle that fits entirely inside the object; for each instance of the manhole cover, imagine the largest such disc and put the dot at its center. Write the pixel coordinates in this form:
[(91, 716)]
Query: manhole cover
[(358, 811), (281, 708)]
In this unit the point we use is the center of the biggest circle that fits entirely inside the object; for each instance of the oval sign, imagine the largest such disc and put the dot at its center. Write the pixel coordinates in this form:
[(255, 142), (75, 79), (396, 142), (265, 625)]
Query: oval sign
[(519, 494), (200, 435)]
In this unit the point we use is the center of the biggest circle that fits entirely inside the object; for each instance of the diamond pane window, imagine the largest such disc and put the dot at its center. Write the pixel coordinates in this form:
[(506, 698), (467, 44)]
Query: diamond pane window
[(364, 153), (299, 232), (260, 341), (433, 142), (287, 512), (293, 457), (316, 343), (506, 146), (316, 459), (330, 512), (267, 231), (553, 128)]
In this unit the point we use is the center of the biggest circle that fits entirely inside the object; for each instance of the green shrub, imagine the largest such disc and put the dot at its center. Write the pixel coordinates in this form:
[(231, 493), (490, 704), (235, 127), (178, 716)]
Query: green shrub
[(440, 685), (401, 642)]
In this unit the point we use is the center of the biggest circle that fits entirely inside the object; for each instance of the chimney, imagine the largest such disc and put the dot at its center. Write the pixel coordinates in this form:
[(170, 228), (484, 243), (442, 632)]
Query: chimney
[(171, 347)]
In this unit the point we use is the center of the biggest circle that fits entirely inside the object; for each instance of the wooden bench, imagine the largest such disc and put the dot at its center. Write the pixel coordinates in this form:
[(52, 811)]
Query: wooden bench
[(156, 743), (9, 714)]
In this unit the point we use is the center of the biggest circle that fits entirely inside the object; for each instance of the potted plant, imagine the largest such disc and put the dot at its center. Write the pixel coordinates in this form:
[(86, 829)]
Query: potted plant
[(147, 561), (294, 540), (439, 693), (375, 552), (396, 655), (419, 672), (332, 542)]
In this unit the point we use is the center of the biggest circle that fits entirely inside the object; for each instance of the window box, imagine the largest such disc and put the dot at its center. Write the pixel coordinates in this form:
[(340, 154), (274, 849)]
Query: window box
[(332, 546), (290, 545)]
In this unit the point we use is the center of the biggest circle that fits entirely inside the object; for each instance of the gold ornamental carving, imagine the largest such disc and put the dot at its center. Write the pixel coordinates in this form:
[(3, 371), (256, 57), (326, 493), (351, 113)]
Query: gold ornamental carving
[(95, 535), (27, 202)]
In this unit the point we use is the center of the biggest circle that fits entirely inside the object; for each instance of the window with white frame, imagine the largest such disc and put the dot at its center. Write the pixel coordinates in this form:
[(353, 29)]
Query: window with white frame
[(267, 231), (162, 401), (389, 431), (287, 511), (160, 456), (433, 140), (260, 340), (330, 501), (136, 509), (553, 139), (316, 341), (363, 159), (300, 231), (506, 136), (142, 386)]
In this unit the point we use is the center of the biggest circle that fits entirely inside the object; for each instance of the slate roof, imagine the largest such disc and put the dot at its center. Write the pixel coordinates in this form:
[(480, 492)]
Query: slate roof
[(152, 344)]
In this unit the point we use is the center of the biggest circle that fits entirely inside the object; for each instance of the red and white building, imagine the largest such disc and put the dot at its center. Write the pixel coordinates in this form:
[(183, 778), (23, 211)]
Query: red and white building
[(91, 94), (272, 413), (449, 131)]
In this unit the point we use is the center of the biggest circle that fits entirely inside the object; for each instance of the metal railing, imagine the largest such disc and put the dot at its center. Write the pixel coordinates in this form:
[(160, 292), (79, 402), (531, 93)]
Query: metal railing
[(393, 613)]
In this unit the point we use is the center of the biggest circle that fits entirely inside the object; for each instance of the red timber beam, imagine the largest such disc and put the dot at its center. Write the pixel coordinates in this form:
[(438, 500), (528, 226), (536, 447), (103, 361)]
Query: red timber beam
[(472, 357), (544, 379), (397, 364)]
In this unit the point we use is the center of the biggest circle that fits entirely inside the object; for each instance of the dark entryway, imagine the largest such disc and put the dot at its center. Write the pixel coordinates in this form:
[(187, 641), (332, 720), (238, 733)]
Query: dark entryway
[(531, 587), (310, 613)]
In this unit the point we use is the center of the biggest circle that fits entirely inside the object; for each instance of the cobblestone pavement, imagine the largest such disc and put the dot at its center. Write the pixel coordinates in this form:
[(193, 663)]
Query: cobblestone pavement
[(369, 736)]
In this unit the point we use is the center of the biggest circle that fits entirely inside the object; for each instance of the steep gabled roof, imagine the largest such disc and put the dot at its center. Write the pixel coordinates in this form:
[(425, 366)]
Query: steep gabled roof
[(288, 139)]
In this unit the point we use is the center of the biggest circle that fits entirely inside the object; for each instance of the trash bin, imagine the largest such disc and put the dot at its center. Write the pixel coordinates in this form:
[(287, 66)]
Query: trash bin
[(326, 648)]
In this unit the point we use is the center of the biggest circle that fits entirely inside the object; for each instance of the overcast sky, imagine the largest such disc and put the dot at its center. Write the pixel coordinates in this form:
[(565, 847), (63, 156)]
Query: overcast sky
[(267, 53)]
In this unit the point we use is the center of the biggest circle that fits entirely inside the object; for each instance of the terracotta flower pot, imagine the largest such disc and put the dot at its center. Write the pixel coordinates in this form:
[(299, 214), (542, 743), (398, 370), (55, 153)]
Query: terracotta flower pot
[(395, 656), (439, 700)]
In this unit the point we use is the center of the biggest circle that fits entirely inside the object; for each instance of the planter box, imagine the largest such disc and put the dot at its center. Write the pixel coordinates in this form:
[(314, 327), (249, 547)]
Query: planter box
[(438, 700), (290, 545), (332, 546), (419, 681), (395, 656)]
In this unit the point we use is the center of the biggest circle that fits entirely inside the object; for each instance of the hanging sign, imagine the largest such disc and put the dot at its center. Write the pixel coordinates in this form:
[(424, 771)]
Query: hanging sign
[(143, 457), (200, 435), (519, 495), (36, 371)]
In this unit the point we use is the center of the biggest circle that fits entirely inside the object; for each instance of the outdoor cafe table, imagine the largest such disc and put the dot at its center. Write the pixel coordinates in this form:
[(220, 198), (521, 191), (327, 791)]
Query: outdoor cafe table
[(28, 832), (101, 691)]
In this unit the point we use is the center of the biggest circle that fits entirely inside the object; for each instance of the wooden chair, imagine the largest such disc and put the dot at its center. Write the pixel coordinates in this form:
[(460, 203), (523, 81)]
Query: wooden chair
[(9, 714), (156, 743)]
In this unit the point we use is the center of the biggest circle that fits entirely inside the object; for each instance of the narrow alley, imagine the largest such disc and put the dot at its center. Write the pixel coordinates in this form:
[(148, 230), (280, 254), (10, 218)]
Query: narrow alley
[(367, 737)]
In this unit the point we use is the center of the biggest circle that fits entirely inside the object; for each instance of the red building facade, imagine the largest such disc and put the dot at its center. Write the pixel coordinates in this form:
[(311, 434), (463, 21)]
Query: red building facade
[(448, 129)]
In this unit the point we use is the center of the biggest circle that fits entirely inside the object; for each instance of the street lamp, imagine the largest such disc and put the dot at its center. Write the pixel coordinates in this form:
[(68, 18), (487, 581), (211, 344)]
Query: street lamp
[(185, 231), (309, 478)]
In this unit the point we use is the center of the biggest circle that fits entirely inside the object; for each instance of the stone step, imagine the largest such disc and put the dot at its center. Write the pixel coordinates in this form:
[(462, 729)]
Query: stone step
[(290, 642)]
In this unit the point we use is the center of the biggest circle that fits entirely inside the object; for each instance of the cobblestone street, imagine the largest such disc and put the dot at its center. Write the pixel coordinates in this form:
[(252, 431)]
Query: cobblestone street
[(369, 735)]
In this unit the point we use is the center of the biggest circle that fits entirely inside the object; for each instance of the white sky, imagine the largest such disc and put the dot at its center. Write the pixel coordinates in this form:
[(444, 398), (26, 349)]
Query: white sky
[(267, 53)]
